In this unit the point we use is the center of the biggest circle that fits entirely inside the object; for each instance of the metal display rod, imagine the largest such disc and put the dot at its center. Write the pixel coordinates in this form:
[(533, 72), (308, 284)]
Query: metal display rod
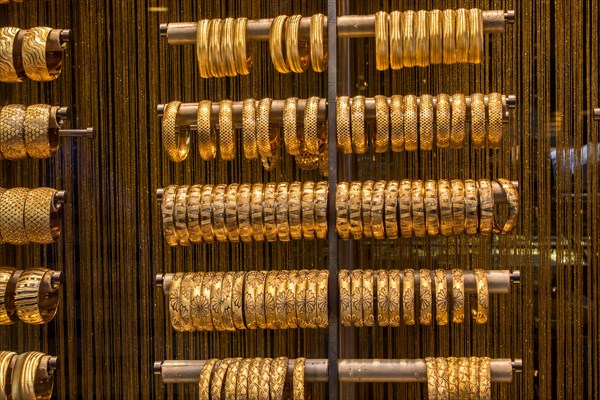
[(499, 281), (187, 113), (596, 114), (349, 26), (350, 370)]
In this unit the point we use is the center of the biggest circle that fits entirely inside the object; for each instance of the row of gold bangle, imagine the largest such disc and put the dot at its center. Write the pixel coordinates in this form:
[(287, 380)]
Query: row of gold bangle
[(29, 296), (251, 378), (390, 209), (246, 212), (388, 297), (419, 39), (229, 301), (28, 216), (411, 123), (28, 131), (33, 60), (20, 376), (459, 378)]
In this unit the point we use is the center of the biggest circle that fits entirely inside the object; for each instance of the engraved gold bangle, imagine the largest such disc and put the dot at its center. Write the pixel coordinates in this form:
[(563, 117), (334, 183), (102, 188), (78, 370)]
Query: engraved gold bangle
[(422, 39), (405, 208), (377, 205), (459, 115), (175, 302), (449, 36), (263, 382), (436, 33), (8, 72), (480, 304), (354, 208), (321, 193), (249, 299), (322, 319), (6, 314), (383, 298), (207, 139), (432, 222), (259, 298), (227, 301), (311, 136), (443, 121), (265, 148), (391, 210), (344, 139), (276, 44), (290, 131), (445, 207), (241, 384), (486, 207), (382, 124), (204, 309), (441, 297), (277, 375), (495, 118), (395, 35), (393, 297), (441, 366), (295, 210), (40, 225), (231, 378), (254, 378), (475, 36), (206, 214), (282, 212), (227, 48), (368, 302), (458, 296), (237, 300), (458, 206), (216, 381), (196, 301), (298, 379), (431, 378), (425, 297), (270, 298), (12, 208), (180, 215), (462, 35), (356, 293), (342, 221), (35, 52), (269, 218), (301, 288), (485, 379), (397, 123), (291, 314), (308, 210), (249, 129), (185, 302), (477, 120), (282, 299), (463, 378), (25, 383), (312, 278), (219, 210), (474, 377), (202, 35), (12, 132), (471, 207), (409, 40), (176, 141), (226, 131), (168, 215), (408, 296), (512, 195), (367, 197), (359, 138), (426, 123), (382, 50), (36, 297), (216, 298), (345, 298), (318, 51), (298, 55), (243, 60), (453, 378), (192, 215), (256, 207), (41, 141), (411, 123), (244, 222), (215, 61), (6, 358), (418, 208)]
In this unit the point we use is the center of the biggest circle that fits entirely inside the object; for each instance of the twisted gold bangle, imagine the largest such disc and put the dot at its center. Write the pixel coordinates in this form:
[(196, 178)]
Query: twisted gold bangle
[(462, 35), (459, 115), (259, 298), (432, 222), (298, 379), (318, 51), (249, 129), (41, 141), (301, 300), (34, 51), (167, 210), (432, 381), (311, 136), (227, 48), (250, 283), (480, 307), (408, 297), (290, 131), (270, 299), (425, 297), (206, 214), (8, 72), (344, 140), (243, 61), (256, 216), (391, 210), (237, 300), (345, 298), (426, 123), (458, 296), (475, 36), (418, 208), (382, 51), (270, 223), (308, 210), (471, 207), (367, 197), (441, 366), (356, 292), (40, 225), (342, 222), (312, 278), (321, 192), (453, 378), (36, 298), (282, 212), (244, 220), (359, 139), (436, 32), (226, 131), (449, 37), (368, 305), (180, 215), (394, 292), (322, 319), (445, 207), (12, 132), (219, 210), (411, 123), (192, 206), (405, 208), (5, 312), (458, 206), (175, 302), (383, 298), (185, 302), (276, 44), (477, 120), (277, 375), (485, 379), (441, 297), (298, 56), (486, 207), (206, 321), (207, 140), (176, 141), (354, 208), (241, 384), (24, 384), (409, 40), (202, 53), (397, 123), (463, 378), (382, 124), (215, 60), (422, 39), (512, 194), (295, 210), (395, 33), (377, 204), (443, 120), (495, 117), (474, 377)]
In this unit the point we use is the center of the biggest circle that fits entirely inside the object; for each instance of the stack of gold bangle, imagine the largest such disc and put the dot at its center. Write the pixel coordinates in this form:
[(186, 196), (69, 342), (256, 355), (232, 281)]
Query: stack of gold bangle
[(25, 376), (228, 301), (459, 378)]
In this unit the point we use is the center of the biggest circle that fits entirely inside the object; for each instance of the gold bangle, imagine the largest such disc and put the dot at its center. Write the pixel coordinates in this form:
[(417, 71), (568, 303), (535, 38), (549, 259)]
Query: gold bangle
[(312, 279), (458, 206), (41, 226), (356, 289), (270, 299), (227, 52), (477, 121), (432, 221), (318, 50), (241, 384), (192, 205), (377, 205), (226, 131), (462, 35), (282, 212), (206, 322), (344, 140), (298, 56), (226, 310), (368, 305), (36, 297), (12, 132), (231, 378), (237, 300), (382, 50), (443, 121), (298, 378), (256, 207), (244, 221), (12, 209), (411, 123), (367, 197), (436, 32), (408, 296), (25, 384), (475, 36), (449, 38), (445, 207), (215, 61), (263, 137), (311, 137), (422, 39), (202, 35), (219, 209), (243, 61), (6, 358), (290, 130), (254, 378), (270, 223), (486, 207), (397, 123), (321, 196), (453, 378), (216, 298), (185, 302), (276, 44), (474, 377), (471, 207), (249, 299), (441, 297), (383, 298), (495, 118), (8, 72), (175, 302), (431, 378), (206, 213), (207, 139), (291, 313), (485, 379), (308, 210), (405, 208), (382, 124), (480, 307), (354, 208), (168, 213), (458, 296), (425, 297), (359, 139), (216, 381), (512, 195), (345, 298), (249, 129), (322, 319), (41, 141), (426, 125), (34, 50), (176, 141), (459, 115), (284, 300), (409, 40), (301, 288), (418, 208), (6, 312), (259, 298), (342, 221), (196, 301), (395, 33), (277, 375), (295, 210), (391, 210), (441, 366), (463, 378), (394, 292), (180, 215), (263, 383)]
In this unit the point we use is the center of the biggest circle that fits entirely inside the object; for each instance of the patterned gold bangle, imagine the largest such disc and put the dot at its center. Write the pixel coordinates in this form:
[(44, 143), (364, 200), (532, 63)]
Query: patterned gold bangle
[(175, 302), (445, 207), (463, 378), (411, 123), (283, 299), (282, 212), (426, 123), (259, 298), (168, 215), (477, 120), (301, 287), (441, 366), (25, 384), (226, 131), (458, 296), (263, 383), (486, 207), (441, 297), (244, 194), (256, 207), (425, 297), (344, 140), (291, 315), (277, 375), (216, 381), (8, 72), (449, 37), (395, 33), (383, 298), (443, 121), (436, 32), (394, 293), (270, 223), (6, 313), (192, 215), (295, 210), (495, 118), (298, 56), (458, 206), (216, 298), (219, 209), (356, 293), (241, 384), (270, 299), (382, 124), (318, 50), (391, 210), (290, 134), (474, 377), (175, 140), (485, 379), (377, 205), (12, 132), (243, 60), (422, 39), (249, 129), (207, 140), (298, 379), (453, 378), (368, 303), (409, 40), (227, 301), (462, 35), (418, 208), (227, 49), (459, 116), (432, 221), (397, 123), (35, 52), (251, 281), (206, 213), (512, 195), (185, 301), (237, 300), (354, 208), (367, 197), (205, 306), (276, 44), (480, 307), (405, 208), (196, 301), (359, 138), (471, 207), (254, 378), (12, 208), (408, 296), (432, 381), (180, 215), (40, 225), (6, 361), (382, 50), (345, 297), (308, 210), (322, 319), (41, 141), (342, 221), (202, 35), (215, 61), (312, 278), (321, 193), (475, 36), (36, 297), (311, 137), (231, 378), (263, 128)]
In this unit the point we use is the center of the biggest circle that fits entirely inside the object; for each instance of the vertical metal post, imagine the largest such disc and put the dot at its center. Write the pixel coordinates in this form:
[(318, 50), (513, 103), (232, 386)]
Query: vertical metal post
[(333, 333)]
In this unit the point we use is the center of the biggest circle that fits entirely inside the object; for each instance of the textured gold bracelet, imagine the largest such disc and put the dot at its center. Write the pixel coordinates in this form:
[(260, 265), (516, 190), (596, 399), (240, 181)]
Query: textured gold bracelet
[(298, 379), (368, 302), (176, 141), (226, 131), (227, 49), (237, 300), (464, 378), (207, 140), (192, 205), (231, 378), (270, 298), (311, 136), (308, 210), (281, 299), (243, 60), (425, 297), (462, 35), (405, 208), (453, 378), (168, 215), (215, 61), (411, 123), (382, 124), (291, 314), (397, 123), (175, 302), (256, 216), (41, 141), (432, 381), (318, 50), (282, 212), (342, 221), (441, 366), (394, 293), (354, 209), (219, 209), (395, 35), (449, 36), (295, 210), (25, 384), (180, 215), (290, 131), (475, 36), (391, 210), (276, 44), (322, 319), (422, 39), (36, 297), (382, 50), (432, 221), (485, 379), (345, 297), (226, 300), (458, 206), (426, 122), (40, 225), (185, 302), (216, 298), (216, 381), (477, 121), (367, 197), (263, 128), (474, 377), (486, 207), (512, 195), (263, 382), (301, 288), (6, 358), (206, 214), (458, 296), (12, 132), (254, 378), (244, 195), (277, 375), (205, 318), (241, 384), (312, 278), (6, 313), (344, 140), (259, 298), (298, 55), (436, 33), (480, 305), (321, 195), (383, 298), (202, 35), (459, 125), (34, 51), (356, 291), (471, 207), (270, 223), (359, 138), (443, 121), (408, 296), (445, 207), (495, 118), (249, 129), (252, 279), (377, 205), (8, 72), (418, 208), (409, 40), (441, 297), (196, 301)]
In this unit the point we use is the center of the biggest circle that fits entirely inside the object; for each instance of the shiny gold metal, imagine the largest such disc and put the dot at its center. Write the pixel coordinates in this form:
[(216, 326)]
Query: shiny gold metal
[(8, 73), (226, 131), (394, 293), (354, 208), (320, 206), (377, 206), (291, 312), (426, 122), (436, 33), (6, 358), (344, 140), (254, 378), (464, 365), (192, 213), (458, 206), (432, 221), (342, 221), (283, 299), (431, 378), (270, 299), (295, 210), (368, 303), (485, 379), (486, 207), (411, 123), (215, 60), (453, 378), (359, 138), (318, 48), (395, 35), (408, 296), (175, 302), (226, 310), (391, 210), (276, 44), (405, 207), (478, 131), (397, 123), (459, 124), (418, 208), (237, 300), (218, 377), (290, 131), (185, 302), (231, 378), (196, 301), (176, 140), (205, 303), (409, 40), (34, 51), (422, 39), (216, 299), (25, 383), (443, 121), (474, 377), (445, 207), (449, 36), (5, 313), (512, 194), (168, 215), (263, 382), (219, 210), (462, 35), (249, 129), (40, 140), (252, 279), (458, 296), (441, 297), (322, 319), (495, 120), (180, 215), (441, 366), (241, 384), (243, 60), (40, 226), (367, 197), (244, 222), (383, 298), (256, 216), (36, 298), (475, 36), (298, 379), (382, 49), (206, 213), (207, 139), (345, 297), (277, 375), (312, 278), (301, 299), (382, 124), (425, 297), (471, 207), (263, 128), (282, 212), (12, 132), (259, 298), (227, 47), (356, 293), (269, 212), (298, 54), (311, 128), (202, 54), (480, 305), (308, 210)]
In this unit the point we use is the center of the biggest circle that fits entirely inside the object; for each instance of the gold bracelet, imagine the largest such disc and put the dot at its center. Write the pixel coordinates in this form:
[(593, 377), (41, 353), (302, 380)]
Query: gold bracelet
[(40, 225), (6, 358), (382, 50), (359, 138), (219, 209), (185, 302), (180, 215), (227, 52), (354, 208), (205, 318), (356, 289), (243, 61), (192, 205), (8, 72), (25, 384), (474, 377), (35, 50), (426, 124), (485, 379), (422, 39), (432, 381), (263, 128), (308, 210), (12, 132), (480, 307), (175, 302), (425, 297), (377, 205), (215, 61), (394, 292), (441, 366), (344, 140), (207, 139), (290, 131), (291, 314), (298, 56), (36, 298), (277, 375), (252, 279), (462, 35), (432, 221), (301, 303), (441, 297), (342, 222), (459, 116), (241, 384), (282, 212), (477, 121), (395, 32), (512, 195), (259, 298), (6, 313), (383, 298), (463, 378), (382, 124), (206, 214), (244, 194), (458, 206), (176, 141), (12, 208), (408, 296), (231, 378), (237, 300), (418, 208), (321, 193), (391, 210), (249, 129), (270, 223), (295, 210), (486, 207), (443, 121), (367, 197), (312, 279), (397, 123), (458, 296), (436, 32), (226, 131), (471, 207), (475, 36), (254, 378), (405, 208), (368, 305), (453, 378), (449, 37), (276, 44), (256, 216), (270, 299), (216, 298), (216, 381), (167, 212), (202, 35), (495, 118), (263, 383), (322, 319), (196, 301), (227, 301), (284, 299), (409, 40), (318, 50), (311, 136), (411, 123), (298, 378), (345, 297), (445, 206), (41, 141)]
